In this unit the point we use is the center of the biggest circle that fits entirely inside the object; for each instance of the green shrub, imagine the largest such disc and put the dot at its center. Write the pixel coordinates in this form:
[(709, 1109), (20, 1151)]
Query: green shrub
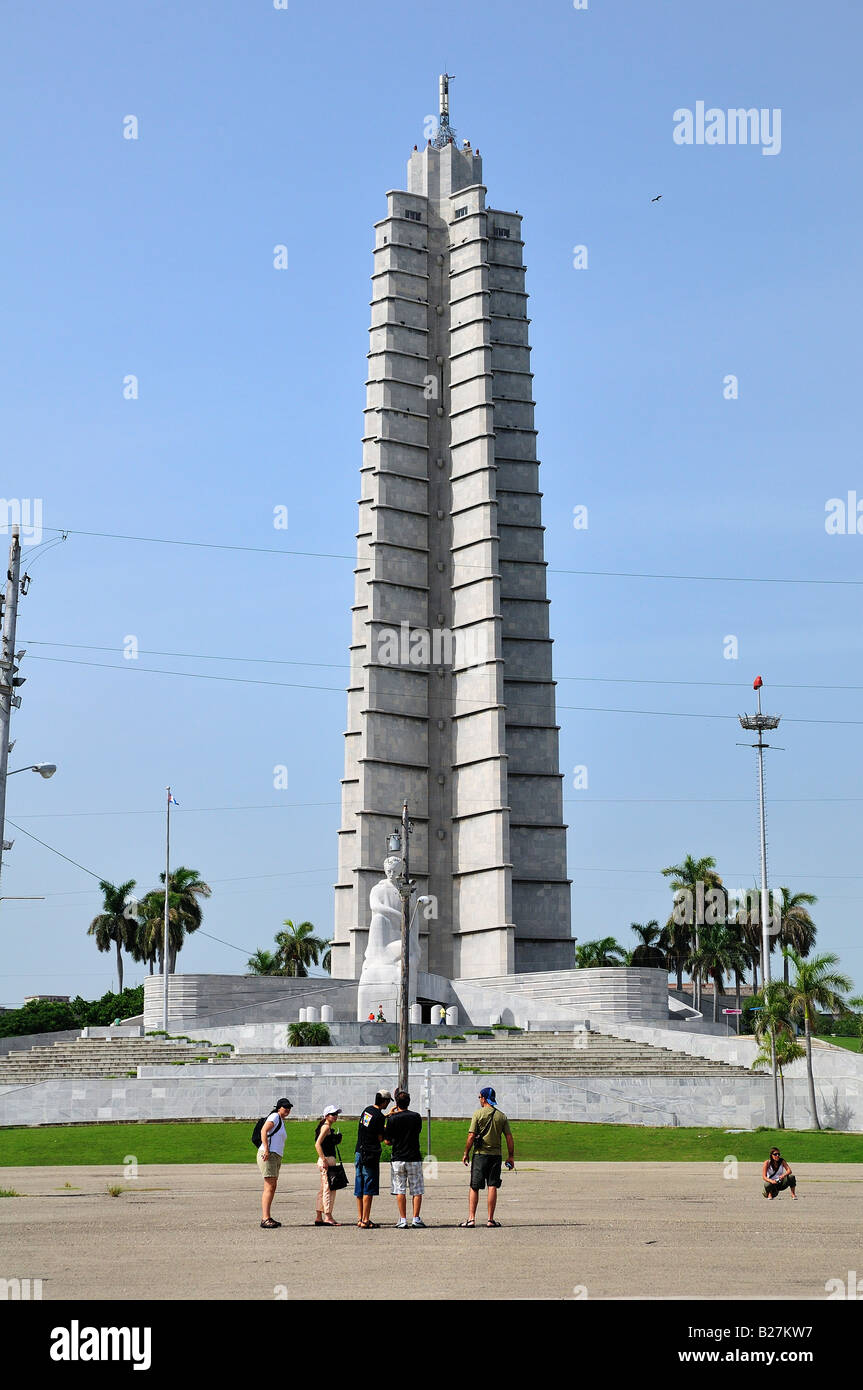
[(847, 1025), (45, 1016), (308, 1035)]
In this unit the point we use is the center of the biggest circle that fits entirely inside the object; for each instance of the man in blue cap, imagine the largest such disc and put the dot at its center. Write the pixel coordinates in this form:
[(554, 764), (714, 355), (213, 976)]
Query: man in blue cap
[(488, 1125)]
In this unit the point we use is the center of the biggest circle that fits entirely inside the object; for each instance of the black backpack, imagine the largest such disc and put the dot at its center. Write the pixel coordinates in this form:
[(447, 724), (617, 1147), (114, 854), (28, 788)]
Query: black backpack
[(256, 1132)]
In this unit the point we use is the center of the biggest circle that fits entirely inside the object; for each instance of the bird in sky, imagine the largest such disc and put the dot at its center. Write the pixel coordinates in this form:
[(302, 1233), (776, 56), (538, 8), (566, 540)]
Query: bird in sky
[(657, 198)]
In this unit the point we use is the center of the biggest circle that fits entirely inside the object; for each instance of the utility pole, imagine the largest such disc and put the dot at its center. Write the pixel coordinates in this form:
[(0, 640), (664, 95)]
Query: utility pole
[(404, 1005), (9, 678)]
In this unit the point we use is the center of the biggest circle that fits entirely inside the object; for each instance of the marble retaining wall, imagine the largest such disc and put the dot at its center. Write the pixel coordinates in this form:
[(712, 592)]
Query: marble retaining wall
[(727, 1102), (828, 1063)]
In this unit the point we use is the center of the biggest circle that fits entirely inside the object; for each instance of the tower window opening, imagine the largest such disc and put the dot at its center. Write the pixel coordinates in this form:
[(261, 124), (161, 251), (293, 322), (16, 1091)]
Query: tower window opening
[(461, 212), (413, 216), (501, 231)]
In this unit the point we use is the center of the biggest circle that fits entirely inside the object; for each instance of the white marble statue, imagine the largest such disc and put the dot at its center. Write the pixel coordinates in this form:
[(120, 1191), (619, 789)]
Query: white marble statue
[(381, 973)]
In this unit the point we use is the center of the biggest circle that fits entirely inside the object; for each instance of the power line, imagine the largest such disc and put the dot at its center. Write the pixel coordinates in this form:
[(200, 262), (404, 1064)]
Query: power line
[(332, 555), (345, 666), (194, 656), (56, 851), (585, 800), (338, 690)]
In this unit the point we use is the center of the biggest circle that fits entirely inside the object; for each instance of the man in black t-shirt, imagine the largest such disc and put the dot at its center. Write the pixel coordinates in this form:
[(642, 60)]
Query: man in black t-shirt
[(403, 1133), (370, 1134)]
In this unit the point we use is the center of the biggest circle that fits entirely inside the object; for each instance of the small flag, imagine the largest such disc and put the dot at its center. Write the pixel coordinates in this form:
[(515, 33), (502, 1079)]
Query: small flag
[(172, 800)]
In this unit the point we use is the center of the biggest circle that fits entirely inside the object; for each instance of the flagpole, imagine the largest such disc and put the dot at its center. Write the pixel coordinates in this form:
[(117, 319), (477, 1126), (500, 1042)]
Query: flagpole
[(165, 936)]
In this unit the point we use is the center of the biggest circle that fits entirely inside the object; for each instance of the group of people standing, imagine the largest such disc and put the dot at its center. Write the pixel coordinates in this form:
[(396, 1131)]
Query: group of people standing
[(388, 1120)]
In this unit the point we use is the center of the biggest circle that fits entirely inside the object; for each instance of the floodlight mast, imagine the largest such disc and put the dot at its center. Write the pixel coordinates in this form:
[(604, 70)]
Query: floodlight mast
[(759, 723)]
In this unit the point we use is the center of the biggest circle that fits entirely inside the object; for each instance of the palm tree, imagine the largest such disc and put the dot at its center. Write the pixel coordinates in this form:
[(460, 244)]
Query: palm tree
[(605, 952), (675, 940), (648, 952), (797, 929), (719, 951), (264, 963), (816, 985), (184, 915), (298, 948), (786, 1049), (327, 957), (771, 1023), (113, 926), (686, 877)]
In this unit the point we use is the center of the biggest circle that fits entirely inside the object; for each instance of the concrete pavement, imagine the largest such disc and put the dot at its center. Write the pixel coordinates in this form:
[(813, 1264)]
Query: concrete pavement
[(569, 1230)]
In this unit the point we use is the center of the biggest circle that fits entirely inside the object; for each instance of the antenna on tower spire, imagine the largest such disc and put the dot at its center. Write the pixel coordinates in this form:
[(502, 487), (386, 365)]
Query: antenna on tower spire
[(445, 131)]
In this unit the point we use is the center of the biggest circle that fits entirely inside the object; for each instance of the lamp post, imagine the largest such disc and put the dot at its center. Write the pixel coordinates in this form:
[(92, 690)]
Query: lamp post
[(45, 770), (399, 843)]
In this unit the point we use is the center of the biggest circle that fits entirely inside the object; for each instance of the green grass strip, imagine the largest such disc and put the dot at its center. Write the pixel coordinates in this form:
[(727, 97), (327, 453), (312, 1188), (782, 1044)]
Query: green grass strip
[(230, 1142)]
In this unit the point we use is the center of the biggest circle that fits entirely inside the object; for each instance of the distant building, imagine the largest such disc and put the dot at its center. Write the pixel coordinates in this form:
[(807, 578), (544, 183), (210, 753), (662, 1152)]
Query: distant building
[(47, 999)]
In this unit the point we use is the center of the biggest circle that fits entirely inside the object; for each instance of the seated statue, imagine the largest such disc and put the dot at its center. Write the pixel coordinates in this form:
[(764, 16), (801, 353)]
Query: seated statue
[(381, 973)]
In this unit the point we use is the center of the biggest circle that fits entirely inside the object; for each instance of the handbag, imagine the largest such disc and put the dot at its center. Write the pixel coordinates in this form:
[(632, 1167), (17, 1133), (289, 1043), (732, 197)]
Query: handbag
[(337, 1178)]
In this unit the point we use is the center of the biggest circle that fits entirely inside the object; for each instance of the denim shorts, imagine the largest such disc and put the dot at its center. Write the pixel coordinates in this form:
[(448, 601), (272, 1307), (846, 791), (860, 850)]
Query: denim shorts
[(367, 1176)]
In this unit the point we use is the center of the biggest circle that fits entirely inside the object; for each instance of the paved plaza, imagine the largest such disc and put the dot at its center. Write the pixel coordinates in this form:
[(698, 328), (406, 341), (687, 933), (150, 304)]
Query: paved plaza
[(615, 1230)]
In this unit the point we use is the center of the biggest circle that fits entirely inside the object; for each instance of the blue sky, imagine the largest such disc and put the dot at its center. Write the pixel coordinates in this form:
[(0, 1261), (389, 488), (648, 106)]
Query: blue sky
[(154, 257)]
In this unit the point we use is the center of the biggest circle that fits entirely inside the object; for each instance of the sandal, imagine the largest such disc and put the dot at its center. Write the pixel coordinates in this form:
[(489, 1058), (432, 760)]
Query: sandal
[(368, 1226), (462, 1225), (269, 1224), (492, 1223)]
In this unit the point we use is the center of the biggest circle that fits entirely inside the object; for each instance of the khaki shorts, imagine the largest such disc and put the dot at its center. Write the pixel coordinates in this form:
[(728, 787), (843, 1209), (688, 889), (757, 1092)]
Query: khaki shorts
[(269, 1167)]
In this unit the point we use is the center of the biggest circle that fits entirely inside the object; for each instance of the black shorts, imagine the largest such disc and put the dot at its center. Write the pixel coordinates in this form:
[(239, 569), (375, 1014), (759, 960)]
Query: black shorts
[(485, 1171)]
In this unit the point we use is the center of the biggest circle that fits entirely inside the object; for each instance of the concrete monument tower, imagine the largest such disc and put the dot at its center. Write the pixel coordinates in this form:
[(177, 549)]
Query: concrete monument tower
[(451, 702)]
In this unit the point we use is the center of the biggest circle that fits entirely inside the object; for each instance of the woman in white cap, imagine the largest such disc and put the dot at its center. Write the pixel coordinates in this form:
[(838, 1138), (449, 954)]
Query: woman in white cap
[(326, 1139)]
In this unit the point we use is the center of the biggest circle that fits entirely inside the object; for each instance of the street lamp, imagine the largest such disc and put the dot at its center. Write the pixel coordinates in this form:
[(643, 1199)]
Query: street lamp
[(45, 770)]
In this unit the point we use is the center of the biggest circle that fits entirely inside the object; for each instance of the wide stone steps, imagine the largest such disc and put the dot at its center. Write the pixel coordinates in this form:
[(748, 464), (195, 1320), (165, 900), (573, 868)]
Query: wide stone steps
[(543, 1054)]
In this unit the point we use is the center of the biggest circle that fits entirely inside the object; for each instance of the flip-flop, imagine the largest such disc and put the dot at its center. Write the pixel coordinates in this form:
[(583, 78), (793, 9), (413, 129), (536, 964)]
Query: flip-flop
[(464, 1225), (492, 1223), (369, 1226)]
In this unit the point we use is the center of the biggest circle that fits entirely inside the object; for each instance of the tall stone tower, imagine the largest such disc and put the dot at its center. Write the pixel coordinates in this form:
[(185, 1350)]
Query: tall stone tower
[(451, 702)]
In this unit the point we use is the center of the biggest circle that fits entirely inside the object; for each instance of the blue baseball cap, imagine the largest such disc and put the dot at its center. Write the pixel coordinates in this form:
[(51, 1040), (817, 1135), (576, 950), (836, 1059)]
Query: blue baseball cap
[(488, 1095)]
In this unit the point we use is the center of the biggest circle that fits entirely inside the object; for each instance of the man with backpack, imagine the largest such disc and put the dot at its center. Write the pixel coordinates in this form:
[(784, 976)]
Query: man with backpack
[(269, 1136), (487, 1127)]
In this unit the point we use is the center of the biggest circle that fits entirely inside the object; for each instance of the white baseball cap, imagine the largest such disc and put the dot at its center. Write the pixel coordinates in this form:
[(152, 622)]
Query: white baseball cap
[(332, 1110)]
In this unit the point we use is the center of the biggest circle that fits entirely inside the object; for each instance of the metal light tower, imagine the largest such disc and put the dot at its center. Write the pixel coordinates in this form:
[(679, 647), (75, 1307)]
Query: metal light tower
[(759, 722)]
